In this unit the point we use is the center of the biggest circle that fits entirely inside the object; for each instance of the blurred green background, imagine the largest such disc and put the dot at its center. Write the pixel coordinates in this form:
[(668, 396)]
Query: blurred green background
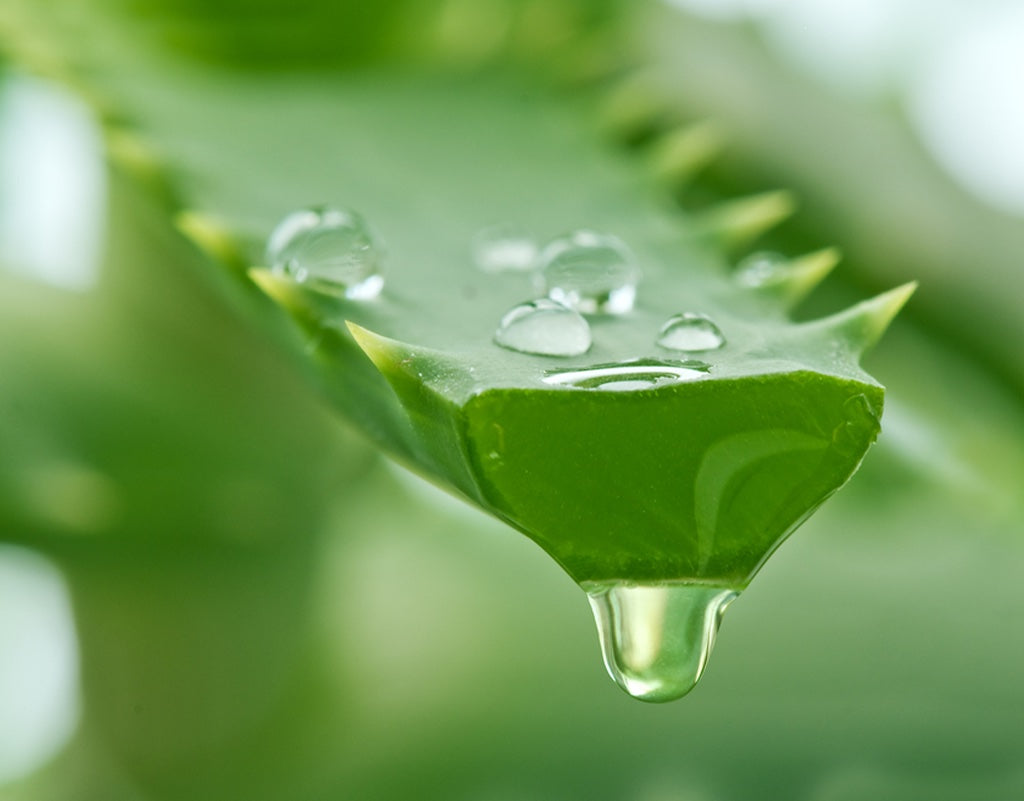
[(211, 589)]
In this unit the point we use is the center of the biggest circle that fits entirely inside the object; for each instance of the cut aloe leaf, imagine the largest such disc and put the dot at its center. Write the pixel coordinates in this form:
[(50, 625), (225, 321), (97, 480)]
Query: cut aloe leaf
[(643, 413)]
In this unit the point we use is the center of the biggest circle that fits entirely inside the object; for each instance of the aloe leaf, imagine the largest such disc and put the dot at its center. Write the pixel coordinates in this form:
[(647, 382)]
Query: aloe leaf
[(860, 170), (606, 482), (696, 480)]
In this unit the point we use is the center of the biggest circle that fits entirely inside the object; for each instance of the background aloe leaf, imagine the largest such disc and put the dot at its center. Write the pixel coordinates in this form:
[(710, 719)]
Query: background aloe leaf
[(858, 169), (100, 431)]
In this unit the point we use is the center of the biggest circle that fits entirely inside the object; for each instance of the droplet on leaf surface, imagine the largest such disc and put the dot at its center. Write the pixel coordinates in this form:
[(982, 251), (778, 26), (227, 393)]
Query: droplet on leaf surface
[(545, 328), (589, 272), (330, 249), (690, 333), (761, 269)]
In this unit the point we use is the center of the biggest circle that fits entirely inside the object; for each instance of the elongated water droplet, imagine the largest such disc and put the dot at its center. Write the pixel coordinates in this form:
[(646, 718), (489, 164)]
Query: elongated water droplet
[(330, 249), (690, 332), (504, 248), (544, 327), (656, 638), (628, 376), (761, 269), (589, 272)]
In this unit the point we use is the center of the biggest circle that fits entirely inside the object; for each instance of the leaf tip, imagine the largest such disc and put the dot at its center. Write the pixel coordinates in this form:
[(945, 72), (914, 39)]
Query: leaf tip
[(139, 157), (862, 325), (801, 275), (370, 343), (385, 353), (737, 222), (211, 236), (271, 284), (633, 108), (284, 292), (682, 152)]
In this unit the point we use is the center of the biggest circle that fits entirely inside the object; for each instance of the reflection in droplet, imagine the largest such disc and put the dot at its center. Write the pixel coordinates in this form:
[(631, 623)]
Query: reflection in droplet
[(656, 638), (760, 269), (690, 332), (545, 328), (590, 272), (504, 248), (331, 249), (628, 376), (749, 470)]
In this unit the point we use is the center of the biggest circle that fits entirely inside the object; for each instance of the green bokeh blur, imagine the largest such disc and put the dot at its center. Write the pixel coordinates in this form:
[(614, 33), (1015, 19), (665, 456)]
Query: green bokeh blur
[(266, 609)]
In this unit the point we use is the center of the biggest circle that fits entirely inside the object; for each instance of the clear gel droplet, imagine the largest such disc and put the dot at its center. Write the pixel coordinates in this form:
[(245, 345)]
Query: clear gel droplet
[(330, 249), (545, 328), (628, 376), (656, 639), (504, 248), (589, 272), (761, 269), (691, 333)]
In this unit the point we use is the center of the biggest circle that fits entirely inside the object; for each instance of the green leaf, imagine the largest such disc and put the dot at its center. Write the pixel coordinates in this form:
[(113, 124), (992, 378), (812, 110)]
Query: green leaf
[(688, 480)]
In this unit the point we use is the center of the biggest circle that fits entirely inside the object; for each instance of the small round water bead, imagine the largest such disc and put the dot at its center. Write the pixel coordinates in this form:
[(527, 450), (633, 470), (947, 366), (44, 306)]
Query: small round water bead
[(760, 269), (331, 249), (545, 328), (690, 333), (590, 272), (504, 248)]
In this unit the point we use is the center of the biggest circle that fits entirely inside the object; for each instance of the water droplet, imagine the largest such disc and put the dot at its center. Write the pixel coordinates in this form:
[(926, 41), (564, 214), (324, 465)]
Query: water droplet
[(628, 376), (690, 332), (544, 327), (656, 638), (761, 269), (331, 249), (504, 248), (860, 428), (589, 272)]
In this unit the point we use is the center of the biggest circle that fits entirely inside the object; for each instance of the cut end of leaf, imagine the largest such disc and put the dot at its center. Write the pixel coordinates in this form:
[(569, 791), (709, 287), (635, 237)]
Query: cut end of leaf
[(862, 325), (739, 222)]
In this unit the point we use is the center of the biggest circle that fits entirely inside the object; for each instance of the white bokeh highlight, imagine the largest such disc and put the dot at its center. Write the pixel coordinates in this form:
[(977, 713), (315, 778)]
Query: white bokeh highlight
[(39, 700), (53, 185), (968, 107)]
